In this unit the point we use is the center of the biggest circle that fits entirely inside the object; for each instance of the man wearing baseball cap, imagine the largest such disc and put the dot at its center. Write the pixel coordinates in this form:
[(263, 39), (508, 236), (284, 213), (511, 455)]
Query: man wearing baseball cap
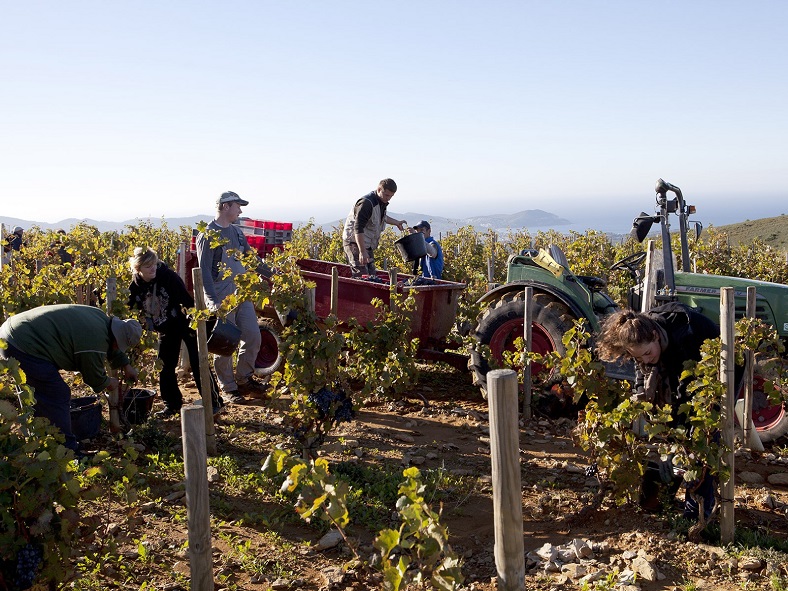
[(68, 337), (431, 264), (217, 286)]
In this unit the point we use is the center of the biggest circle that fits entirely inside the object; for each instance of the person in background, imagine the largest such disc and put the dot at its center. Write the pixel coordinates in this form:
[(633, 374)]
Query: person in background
[(65, 256), (365, 224), (431, 264), (161, 295), (217, 286), (660, 341), (68, 337), (14, 240)]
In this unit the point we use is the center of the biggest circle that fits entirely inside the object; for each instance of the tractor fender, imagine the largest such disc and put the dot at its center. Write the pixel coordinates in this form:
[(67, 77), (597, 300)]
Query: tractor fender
[(498, 292)]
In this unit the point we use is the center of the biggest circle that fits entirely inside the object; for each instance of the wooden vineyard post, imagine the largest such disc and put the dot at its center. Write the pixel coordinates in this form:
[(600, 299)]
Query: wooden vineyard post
[(184, 363), (506, 478), (113, 395), (491, 263), (112, 292), (205, 368), (198, 515), (650, 278), (182, 260), (749, 360), (310, 298), (527, 337), (393, 287), (727, 360), (334, 291)]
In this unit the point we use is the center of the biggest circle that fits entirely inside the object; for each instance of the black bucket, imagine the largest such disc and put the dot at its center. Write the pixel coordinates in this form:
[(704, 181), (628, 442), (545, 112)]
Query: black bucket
[(224, 337), (411, 247), (85, 417), (137, 404)]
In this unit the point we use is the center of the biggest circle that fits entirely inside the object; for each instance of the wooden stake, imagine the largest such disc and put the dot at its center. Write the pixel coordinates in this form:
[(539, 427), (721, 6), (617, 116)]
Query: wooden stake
[(184, 363), (393, 288), (650, 278), (115, 426), (334, 291), (309, 294), (527, 337), (727, 360), (198, 510), (205, 367), (507, 484), (749, 359), (182, 260)]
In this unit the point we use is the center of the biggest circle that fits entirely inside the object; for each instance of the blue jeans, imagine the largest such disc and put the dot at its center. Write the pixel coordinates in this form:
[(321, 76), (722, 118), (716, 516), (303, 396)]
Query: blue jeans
[(53, 396)]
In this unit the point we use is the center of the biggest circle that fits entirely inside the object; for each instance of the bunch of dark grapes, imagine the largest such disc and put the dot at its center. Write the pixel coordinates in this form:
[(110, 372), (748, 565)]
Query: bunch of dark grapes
[(28, 561), (592, 470), (324, 399)]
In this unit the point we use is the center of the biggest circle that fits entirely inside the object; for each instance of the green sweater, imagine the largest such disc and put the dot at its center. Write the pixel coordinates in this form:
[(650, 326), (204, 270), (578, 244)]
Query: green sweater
[(73, 337)]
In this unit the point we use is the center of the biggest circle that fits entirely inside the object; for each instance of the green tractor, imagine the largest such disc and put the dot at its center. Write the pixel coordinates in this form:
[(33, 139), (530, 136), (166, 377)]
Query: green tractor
[(560, 297)]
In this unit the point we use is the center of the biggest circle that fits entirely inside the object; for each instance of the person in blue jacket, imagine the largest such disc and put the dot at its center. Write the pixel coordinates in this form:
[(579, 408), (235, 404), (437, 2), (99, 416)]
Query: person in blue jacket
[(432, 264)]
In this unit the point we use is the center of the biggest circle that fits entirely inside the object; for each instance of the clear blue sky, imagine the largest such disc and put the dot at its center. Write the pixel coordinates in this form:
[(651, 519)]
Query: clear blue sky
[(114, 110)]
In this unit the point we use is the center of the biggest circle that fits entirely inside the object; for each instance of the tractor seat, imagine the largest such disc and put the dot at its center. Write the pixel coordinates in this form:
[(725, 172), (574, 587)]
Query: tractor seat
[(593, 283), (558, 255)]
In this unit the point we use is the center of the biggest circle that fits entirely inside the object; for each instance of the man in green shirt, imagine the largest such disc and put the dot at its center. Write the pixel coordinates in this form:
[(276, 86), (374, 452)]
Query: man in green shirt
[(68, 337)]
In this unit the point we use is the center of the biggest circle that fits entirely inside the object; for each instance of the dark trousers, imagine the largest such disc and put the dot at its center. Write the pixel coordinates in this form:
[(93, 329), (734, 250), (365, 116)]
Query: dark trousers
[(52, 394), (169, 353)]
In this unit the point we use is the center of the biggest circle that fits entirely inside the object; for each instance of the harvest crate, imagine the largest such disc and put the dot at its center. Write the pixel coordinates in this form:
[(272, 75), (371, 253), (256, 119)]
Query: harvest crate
[(262, 235)]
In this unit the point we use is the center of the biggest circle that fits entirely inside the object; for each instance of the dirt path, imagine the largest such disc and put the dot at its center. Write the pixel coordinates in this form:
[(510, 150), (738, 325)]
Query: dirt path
[(450, 435)]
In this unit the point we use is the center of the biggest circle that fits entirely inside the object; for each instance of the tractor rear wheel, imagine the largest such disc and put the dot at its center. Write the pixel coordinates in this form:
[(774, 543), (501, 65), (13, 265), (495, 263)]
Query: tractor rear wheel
[(269, 359), (503, 322)]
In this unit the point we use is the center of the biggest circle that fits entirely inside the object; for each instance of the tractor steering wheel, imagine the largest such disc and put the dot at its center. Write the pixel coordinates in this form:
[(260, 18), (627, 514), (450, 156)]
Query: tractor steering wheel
[(630, 263)]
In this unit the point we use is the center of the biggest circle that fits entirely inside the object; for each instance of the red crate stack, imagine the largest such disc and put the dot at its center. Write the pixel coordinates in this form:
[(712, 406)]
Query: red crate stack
[(262, 235)]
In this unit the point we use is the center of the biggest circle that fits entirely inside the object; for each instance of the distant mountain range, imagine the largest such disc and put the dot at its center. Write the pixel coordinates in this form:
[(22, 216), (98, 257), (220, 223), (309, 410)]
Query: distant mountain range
[(532, 219)]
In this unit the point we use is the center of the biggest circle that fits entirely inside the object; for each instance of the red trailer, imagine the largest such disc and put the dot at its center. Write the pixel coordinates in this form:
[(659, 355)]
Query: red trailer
[(432, 320)]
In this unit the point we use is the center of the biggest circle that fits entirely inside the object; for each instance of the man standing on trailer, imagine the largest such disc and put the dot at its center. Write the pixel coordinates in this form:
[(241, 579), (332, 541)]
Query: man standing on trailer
[(217, 285), (364, 225)]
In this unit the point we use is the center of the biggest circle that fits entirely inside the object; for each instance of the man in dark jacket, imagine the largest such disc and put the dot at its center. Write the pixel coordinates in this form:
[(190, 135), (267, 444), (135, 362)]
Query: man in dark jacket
[(68, 337), (365, 224)]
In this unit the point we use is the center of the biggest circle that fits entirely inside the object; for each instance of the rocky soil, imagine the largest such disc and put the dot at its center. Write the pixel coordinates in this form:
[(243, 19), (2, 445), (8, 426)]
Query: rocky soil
[(443, 427)]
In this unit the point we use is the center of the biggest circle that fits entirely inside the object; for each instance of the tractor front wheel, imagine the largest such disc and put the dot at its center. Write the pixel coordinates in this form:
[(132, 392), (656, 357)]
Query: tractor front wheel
[(503, 322)]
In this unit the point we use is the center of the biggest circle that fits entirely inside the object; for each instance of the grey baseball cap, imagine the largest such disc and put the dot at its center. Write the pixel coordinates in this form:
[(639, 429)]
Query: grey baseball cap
[(230, 197)]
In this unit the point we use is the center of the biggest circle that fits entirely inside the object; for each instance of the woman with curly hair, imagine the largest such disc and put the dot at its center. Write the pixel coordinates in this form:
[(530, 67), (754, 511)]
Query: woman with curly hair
[(659, 342)]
